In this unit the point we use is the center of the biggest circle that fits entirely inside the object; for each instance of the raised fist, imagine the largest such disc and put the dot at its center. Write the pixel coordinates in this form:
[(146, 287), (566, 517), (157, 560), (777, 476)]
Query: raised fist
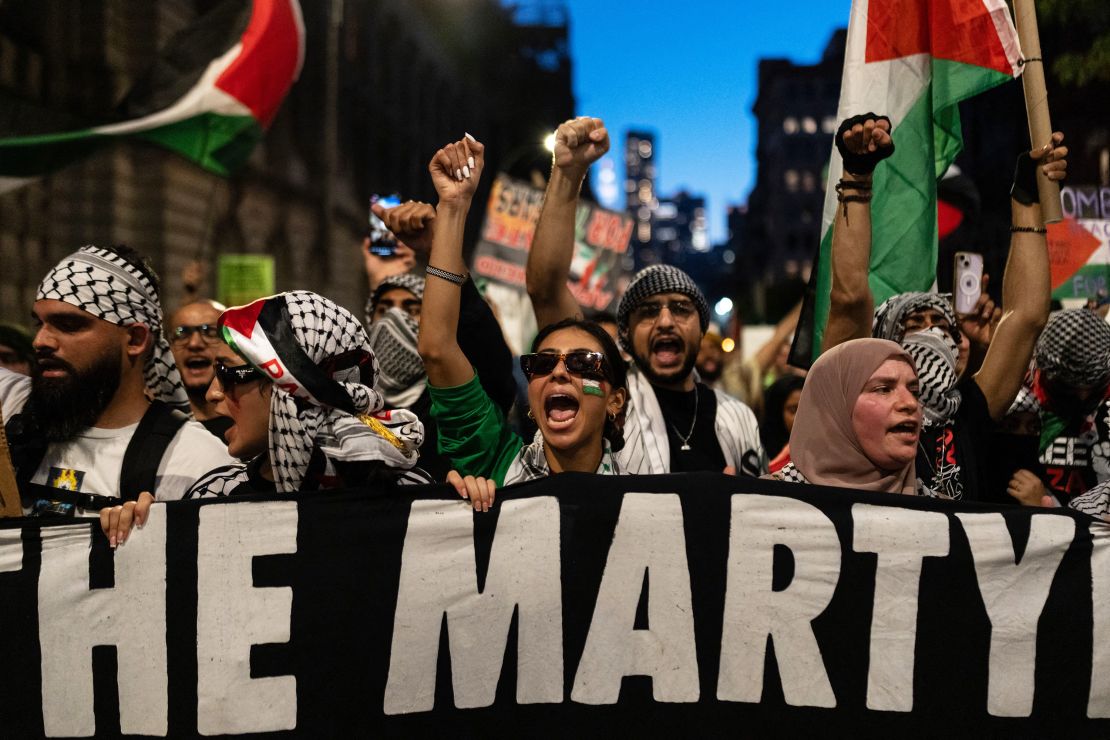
[(455, 170), (579, 143)]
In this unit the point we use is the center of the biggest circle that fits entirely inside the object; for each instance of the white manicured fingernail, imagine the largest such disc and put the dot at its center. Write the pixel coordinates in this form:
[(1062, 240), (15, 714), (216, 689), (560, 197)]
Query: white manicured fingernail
[(470, 161), (470, 137), (458, 174), (466, 172)]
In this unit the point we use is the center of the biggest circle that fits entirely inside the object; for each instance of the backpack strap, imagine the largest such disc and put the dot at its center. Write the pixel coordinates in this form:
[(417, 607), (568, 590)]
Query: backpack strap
[(159, 425), (26, 447)]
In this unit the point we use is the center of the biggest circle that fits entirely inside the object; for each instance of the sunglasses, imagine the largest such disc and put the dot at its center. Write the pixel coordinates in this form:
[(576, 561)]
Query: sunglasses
[(579, 362), (230, 377), (650, 310), (210, 333)]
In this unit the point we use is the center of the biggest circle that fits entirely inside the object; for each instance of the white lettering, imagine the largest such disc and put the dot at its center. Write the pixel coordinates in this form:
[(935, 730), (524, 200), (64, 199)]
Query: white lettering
[(131, 616), (754, 611), (1098, 703), (232, 615), (437, 578), (11, 551), (901, 538), (649, 537), (1014, 594)]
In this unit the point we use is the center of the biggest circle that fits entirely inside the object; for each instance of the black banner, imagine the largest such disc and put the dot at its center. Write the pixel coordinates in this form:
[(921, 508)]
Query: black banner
[(581, 605)]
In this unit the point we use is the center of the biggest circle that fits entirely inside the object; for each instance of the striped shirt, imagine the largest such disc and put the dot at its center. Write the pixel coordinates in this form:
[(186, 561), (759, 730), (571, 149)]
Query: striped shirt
[(646, 448)]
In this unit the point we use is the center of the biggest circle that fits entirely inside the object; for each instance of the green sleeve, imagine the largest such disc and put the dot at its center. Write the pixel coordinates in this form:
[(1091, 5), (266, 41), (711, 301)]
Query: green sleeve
[(473, 433)]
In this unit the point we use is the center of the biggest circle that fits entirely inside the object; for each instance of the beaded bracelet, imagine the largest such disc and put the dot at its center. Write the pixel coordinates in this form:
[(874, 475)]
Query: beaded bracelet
[(1028, 230)]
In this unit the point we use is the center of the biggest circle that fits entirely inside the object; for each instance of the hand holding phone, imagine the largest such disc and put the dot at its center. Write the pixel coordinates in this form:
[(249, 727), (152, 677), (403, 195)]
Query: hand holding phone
[(383, 243), (967, 281)]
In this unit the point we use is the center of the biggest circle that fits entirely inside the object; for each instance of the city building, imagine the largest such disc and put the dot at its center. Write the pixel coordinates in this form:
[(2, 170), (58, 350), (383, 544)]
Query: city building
[(385, 83), (796, 118)]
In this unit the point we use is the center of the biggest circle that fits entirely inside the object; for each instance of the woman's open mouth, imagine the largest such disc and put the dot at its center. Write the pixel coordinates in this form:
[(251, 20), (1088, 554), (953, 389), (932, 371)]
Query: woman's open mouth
[(560, 409), (907, 430)]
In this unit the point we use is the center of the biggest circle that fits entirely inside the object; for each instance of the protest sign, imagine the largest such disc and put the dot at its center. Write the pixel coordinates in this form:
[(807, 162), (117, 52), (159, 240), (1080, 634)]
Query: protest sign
[(1079, 246)]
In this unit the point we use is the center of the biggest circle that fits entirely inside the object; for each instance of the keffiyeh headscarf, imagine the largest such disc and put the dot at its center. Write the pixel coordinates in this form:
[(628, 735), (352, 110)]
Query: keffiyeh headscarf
[(1074, 348), (323, 370), (934, 353), (1072, 351), (104, 284), (891, 314)]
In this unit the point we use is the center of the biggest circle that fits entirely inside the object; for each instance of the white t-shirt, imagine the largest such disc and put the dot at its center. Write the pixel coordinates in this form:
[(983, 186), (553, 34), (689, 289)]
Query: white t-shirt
[(92, 462)]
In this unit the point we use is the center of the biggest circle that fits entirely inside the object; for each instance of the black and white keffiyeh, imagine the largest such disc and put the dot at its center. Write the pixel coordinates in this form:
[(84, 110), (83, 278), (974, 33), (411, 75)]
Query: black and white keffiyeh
[(401, 377), (104, 284), (319, 359), (654, 280), (789, 473), (1074, 348), (531, 464), (890, 316), (934, 354)]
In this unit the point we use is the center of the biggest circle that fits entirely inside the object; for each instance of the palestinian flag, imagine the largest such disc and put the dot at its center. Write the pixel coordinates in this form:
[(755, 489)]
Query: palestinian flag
[(213, 92), (913, 60)]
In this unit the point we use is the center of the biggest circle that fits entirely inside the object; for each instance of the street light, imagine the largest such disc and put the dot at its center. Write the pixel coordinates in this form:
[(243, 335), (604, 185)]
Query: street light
[(549, 142)]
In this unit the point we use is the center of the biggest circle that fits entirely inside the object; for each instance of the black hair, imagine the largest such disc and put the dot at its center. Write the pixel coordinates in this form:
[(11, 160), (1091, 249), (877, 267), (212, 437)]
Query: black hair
[(618, 369), (603, 317), (772, 431), (139, 261)]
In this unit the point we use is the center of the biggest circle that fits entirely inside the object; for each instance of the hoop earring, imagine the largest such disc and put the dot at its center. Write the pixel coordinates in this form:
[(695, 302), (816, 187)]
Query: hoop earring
[(529, 415), (612, 415)]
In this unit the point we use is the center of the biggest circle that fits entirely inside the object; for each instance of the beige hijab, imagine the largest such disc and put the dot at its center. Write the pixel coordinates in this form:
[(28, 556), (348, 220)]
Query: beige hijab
[(823, 445)]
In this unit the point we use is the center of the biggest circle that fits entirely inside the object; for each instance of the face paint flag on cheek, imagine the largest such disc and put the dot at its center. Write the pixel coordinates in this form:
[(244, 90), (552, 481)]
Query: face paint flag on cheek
[(592, 387)]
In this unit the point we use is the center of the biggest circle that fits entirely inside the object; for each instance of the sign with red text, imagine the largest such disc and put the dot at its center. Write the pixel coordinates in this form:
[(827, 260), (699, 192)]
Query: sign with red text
[(601, 238)]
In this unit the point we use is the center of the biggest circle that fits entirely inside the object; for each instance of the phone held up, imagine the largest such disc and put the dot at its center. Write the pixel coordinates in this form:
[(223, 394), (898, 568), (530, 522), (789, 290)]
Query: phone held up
[(382, 241), (968, 281)]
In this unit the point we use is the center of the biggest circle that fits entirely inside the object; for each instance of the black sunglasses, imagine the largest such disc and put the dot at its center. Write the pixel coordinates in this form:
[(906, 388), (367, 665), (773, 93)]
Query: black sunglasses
[(210, 333), (230, 377), (580, 362)]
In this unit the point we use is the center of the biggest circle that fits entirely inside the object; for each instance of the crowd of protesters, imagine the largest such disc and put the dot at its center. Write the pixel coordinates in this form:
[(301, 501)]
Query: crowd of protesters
[(108, 408)]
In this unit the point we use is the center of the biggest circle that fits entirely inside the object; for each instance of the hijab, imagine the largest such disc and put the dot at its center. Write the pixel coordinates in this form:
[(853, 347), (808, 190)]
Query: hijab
[(823, 445)]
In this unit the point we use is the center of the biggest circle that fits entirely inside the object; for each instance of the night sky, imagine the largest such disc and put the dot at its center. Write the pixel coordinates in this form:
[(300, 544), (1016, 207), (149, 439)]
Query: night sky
[(687, 71)]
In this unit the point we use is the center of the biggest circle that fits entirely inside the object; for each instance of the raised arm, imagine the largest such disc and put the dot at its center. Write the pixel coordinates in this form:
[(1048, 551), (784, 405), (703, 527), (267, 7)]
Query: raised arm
[(863, 142), (455, 170), (766, 355), (1026, 284), (578, 143)]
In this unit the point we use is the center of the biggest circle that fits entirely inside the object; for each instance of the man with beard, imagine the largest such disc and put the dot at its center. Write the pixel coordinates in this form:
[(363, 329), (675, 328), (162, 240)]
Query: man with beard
[(195, 341), (673, 424), (88, 425)]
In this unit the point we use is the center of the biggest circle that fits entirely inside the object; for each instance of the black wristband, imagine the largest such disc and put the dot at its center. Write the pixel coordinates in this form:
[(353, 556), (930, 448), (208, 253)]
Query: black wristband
[(1024, 189), (445, 275), (861, 164)]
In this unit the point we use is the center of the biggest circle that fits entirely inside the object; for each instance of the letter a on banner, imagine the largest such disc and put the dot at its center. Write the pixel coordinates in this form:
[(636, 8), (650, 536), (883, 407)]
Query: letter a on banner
[(754, 610), (649, 536)]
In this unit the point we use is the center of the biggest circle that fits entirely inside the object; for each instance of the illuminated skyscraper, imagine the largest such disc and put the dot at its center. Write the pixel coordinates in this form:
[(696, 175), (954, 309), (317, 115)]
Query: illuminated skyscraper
[(639, 185)]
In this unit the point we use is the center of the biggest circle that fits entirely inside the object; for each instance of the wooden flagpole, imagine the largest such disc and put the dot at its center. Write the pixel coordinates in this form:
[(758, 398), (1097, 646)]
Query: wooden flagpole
[(1036, 103), (10, 505)]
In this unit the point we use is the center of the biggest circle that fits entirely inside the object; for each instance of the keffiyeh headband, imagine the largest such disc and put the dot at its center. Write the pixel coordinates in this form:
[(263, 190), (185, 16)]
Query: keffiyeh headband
[(890, 316), (319, 359), (104, 284), (934, 353)]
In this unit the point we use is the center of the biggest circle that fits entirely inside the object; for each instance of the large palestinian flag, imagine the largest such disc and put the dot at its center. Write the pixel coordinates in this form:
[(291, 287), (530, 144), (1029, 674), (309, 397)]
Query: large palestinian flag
[(211, 95), (913, 60)]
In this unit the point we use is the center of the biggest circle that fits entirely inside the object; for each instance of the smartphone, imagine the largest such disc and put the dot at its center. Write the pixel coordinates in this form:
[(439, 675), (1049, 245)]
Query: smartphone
[(967, 281), (382, 241)]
